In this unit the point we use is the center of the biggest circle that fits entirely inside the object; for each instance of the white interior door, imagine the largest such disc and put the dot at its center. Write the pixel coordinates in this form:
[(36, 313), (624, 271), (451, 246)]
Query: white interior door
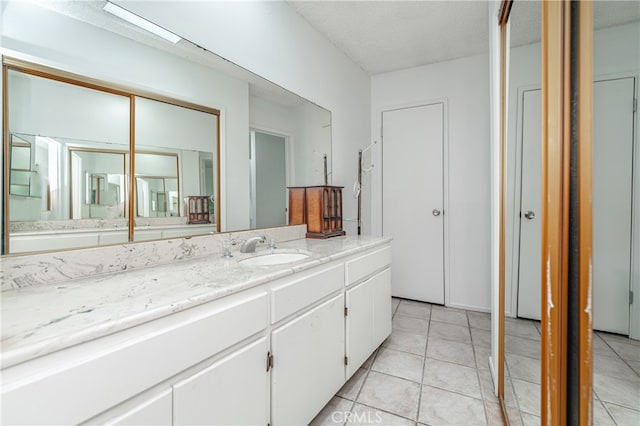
[(412, 213), (269, 174), (612, 179), (530, 215), (612, 205)]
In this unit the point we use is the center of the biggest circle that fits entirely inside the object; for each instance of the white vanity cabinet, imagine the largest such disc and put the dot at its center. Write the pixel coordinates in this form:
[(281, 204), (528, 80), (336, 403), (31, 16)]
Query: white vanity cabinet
[(154, 411), (272, 354), (232, 391), (368, 303), (308, 366), (95, 379)]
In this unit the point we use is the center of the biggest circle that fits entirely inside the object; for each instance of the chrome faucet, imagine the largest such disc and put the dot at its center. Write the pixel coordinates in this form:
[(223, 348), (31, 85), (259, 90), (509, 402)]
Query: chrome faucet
[(249, 246)]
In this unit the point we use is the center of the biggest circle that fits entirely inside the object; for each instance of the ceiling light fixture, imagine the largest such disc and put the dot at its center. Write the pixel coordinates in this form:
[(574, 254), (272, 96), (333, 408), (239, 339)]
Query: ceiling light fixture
[(140, 22)]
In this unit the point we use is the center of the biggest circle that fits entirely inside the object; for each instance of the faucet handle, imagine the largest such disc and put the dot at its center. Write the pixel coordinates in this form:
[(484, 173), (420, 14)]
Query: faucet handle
[(226, 247), (272, 243)]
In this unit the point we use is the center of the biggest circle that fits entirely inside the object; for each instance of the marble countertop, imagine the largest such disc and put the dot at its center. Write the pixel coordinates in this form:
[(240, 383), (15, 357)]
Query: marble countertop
[(41, 320)]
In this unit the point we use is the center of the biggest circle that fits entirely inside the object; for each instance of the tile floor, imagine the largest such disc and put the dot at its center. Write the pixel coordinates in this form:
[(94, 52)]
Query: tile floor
[(434, 370)]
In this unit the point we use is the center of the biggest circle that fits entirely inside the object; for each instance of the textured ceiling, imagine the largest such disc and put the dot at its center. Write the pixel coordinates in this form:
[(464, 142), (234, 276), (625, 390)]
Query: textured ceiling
[(383, 36)]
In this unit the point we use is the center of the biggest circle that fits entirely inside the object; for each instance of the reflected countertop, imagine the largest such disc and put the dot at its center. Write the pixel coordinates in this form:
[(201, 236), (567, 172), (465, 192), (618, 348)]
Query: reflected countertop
[(41, 320)]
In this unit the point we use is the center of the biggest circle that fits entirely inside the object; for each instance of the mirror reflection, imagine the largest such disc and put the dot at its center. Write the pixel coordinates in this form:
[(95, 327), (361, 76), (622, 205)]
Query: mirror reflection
[(98, 183), (89, 118), (616, 56)]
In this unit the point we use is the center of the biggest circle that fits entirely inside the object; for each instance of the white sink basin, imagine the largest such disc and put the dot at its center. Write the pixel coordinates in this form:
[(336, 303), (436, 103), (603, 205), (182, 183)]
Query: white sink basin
[(273, 259)]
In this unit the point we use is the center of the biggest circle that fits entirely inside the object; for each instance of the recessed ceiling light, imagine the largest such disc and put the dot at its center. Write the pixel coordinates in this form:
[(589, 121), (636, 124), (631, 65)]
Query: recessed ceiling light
[(141, 22)]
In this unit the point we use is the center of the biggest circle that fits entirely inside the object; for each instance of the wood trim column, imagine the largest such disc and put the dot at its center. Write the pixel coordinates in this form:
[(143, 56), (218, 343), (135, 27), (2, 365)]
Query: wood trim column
[(555, 209), (560, 126), (503, 19), (585, 199)]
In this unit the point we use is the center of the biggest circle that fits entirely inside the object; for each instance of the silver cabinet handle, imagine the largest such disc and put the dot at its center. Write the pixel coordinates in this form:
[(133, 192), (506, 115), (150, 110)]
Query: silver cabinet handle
[(529, 214), (436, 212)]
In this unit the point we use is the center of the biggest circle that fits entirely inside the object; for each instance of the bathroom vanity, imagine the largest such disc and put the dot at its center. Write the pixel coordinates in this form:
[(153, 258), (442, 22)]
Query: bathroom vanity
[(205, 340)]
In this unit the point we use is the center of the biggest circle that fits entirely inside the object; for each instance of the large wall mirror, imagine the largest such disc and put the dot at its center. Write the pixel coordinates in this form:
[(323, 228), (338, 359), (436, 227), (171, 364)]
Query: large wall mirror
[(616, 188), (63, 140)]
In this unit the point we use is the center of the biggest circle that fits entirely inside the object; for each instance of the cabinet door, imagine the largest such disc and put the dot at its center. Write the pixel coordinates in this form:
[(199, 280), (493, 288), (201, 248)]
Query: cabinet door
[(359, 326), (155, 411), (233, 391), (381, 295), (369, 318), (308, 364)]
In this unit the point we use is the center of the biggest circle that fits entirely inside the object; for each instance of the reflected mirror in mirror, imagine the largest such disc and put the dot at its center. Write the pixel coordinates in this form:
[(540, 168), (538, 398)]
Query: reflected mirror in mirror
[(175, 159), (56, 133), (98, 183)]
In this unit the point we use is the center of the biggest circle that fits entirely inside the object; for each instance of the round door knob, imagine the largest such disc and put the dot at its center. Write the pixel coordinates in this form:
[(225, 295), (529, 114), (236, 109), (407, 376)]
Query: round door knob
[(436, 212), (529, 214)]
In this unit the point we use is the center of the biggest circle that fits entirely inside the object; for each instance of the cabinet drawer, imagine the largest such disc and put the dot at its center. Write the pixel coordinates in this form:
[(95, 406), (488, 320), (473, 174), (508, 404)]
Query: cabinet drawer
[(156, 411), (363, 266), (76, 384), (294, 295)]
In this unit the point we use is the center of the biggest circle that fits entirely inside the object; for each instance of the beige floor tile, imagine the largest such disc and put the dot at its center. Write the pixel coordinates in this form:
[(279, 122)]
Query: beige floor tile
[(452, 377), (400, 364), (350, 389), (449, 316), (515, 416), (482, 357), (410, 324), (494, 414), (521, 346), (528, 395), (442, 331), (363, 415), (628, 351), (635, 365), (333, 413), (481, 338), (521, 328), (614, 367), (440, 407), (486, 386), (414, 310), (447, 350), (479, 320), (391, 394), (617, 391), (521, 367), (367, 364), (407, 342), (623, 415), (602, 348), (610, 338), (530, 419), (600, 415)]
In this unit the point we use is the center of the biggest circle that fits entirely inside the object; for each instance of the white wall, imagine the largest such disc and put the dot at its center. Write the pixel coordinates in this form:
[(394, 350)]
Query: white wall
[(271, 40), (464, 85), (36, 34), (272, 118)]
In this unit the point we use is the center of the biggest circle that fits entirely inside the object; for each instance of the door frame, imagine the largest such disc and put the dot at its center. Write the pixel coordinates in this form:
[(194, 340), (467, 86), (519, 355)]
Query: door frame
[(377, 189), (289, 172), (513, 287)]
